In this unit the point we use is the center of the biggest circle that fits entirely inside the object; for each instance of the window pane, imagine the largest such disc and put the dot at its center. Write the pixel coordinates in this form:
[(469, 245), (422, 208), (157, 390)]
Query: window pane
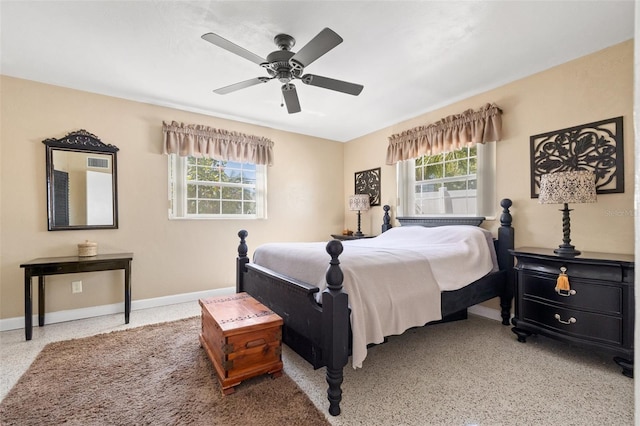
[(192, 207), (231, 193), (456, 168), (473, 165), (431, 187), (208, 207), (456, 185), (249, 177), (249, 194), (461, 153), (192, 172), (430, 159), (419, 173), (192, 190), (205, 191), (231, 175), (209, 174), (231, 207), (206, 162), (249, 208), (433, 171)]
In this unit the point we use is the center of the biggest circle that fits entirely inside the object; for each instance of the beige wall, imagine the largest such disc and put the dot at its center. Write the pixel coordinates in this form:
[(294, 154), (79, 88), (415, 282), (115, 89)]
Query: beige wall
[(305, 199), (592, 88)]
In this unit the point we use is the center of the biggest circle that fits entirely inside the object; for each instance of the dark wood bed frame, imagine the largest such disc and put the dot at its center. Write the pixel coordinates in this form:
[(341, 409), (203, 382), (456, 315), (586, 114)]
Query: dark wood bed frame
[(321, 333)]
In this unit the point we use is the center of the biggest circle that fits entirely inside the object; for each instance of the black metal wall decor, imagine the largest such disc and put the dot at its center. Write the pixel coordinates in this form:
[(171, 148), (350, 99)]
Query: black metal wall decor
[(368, 182), (597, 147)]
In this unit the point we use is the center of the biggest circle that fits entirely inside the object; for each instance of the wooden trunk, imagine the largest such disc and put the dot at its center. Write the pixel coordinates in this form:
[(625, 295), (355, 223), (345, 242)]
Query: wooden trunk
[(242, 338)]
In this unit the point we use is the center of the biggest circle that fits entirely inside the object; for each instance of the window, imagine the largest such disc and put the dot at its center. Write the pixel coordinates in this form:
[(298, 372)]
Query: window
[(457, 183), (208, 188)]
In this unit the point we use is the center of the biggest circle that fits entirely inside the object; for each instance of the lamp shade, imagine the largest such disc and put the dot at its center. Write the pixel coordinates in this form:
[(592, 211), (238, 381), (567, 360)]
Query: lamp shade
[(568, 187), (359, 202)]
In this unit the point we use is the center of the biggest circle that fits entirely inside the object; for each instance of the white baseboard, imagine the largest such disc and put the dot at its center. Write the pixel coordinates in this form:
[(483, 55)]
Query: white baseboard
[(116, 308)]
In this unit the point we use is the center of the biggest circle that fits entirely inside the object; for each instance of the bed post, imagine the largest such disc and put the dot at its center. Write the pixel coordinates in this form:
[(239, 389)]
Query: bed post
[(386, 219), (241, 261), (505, 259), (335, 327)]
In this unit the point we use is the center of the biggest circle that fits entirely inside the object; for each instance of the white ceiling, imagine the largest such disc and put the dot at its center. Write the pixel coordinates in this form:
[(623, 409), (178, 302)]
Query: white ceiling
[(411, 56)]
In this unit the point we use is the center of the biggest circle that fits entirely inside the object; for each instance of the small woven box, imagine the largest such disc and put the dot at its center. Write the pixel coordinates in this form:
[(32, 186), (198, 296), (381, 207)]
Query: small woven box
[(87, 249)]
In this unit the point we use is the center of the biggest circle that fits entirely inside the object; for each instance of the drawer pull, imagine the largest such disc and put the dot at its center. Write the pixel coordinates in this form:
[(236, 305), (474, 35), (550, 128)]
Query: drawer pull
[(562, 283), (566, 293), (572, 320), (254, 343)]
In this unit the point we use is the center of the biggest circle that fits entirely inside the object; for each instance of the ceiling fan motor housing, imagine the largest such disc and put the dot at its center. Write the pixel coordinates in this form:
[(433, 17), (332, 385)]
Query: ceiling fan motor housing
[(278, 64)]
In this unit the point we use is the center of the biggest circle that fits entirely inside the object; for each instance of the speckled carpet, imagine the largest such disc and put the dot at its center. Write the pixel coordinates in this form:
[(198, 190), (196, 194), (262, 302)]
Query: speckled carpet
[(475, 372), (151, 375)]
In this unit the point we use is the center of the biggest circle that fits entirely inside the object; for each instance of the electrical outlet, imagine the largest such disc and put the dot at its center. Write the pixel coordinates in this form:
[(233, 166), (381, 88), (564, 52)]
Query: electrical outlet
[(76, 287)]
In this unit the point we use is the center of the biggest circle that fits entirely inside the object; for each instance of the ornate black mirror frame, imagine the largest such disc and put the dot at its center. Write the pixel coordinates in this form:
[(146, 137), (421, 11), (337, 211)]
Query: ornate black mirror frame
[(61, 215)]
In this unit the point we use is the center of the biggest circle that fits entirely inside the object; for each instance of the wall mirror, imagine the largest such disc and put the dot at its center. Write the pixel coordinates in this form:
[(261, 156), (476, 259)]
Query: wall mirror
[(82, 190)]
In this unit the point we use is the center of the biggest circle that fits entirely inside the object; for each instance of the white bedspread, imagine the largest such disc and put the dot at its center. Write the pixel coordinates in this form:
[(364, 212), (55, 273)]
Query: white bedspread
[(393, 280)]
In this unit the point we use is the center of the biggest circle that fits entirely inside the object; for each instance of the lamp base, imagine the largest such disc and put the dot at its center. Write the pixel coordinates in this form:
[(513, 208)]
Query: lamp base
[(566, 251), (358, 234)]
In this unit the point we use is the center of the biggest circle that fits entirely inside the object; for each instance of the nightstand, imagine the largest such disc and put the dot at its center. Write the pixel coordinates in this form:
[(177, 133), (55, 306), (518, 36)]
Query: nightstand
[(597, 311), (349, 237)]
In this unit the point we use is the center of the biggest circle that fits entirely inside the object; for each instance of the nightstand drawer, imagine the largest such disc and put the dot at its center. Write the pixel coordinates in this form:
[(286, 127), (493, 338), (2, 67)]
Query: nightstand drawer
[(582, 325), (588, 295), (612, 273)]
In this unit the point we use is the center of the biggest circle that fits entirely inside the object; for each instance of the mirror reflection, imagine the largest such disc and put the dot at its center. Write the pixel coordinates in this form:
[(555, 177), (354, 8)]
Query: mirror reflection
[(81, 181)]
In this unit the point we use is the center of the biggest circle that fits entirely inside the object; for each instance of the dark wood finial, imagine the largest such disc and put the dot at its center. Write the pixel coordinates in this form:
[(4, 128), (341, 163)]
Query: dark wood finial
[(334, 273), (242, 247), (386, 219), (505, 217)]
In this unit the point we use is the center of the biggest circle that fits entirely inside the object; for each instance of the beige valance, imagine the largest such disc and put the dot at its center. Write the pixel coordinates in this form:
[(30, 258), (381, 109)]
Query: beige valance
[(448, 134), (201, 141)]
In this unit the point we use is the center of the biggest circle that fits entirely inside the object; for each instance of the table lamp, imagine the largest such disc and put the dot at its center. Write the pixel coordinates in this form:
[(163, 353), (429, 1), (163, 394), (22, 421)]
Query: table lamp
[(564, 188), (359, 202)]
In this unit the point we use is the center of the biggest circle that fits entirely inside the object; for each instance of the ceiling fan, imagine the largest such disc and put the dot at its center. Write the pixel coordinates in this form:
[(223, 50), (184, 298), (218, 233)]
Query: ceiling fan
[(287, 66)]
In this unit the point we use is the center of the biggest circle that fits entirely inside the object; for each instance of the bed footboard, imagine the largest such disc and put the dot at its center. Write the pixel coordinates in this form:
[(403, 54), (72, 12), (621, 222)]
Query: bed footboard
[(319, 333)]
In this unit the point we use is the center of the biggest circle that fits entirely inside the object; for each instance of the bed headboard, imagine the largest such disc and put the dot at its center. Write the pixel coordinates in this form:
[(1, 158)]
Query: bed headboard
[(440, 221), (503, 243)]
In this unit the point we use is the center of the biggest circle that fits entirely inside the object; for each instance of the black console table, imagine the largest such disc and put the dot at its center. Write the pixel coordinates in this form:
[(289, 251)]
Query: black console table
[(70, 265)]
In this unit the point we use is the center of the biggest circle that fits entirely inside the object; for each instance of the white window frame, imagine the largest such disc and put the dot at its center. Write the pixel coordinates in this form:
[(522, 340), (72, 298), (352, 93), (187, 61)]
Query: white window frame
[(485, 199), (177, 167)]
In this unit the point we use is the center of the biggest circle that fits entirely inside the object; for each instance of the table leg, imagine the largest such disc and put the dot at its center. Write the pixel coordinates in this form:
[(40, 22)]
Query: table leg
[(28, 294), (41, 300), (127, 292)]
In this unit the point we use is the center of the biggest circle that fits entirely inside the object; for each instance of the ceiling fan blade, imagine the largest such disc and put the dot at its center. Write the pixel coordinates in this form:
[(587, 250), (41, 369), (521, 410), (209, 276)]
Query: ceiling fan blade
[(233, 48), (241, 85), (318, 46), (332, 84), (291, 98)]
